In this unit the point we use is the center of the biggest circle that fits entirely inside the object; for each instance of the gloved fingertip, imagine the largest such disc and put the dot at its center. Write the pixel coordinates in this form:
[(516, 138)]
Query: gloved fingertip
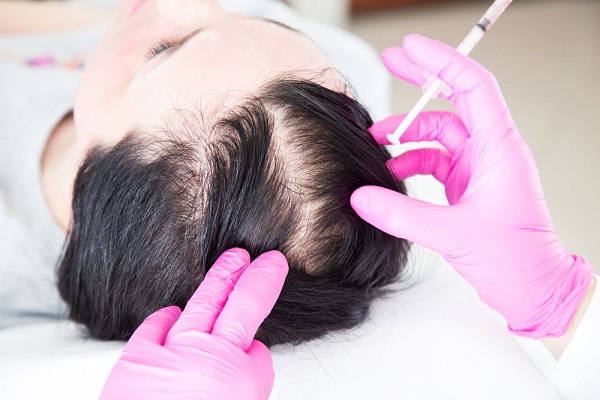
[(237, 255), (229, 265), (377, 132), (276, 256), (164, 314), (172, 311), (156, 326), (385, 126), (275, 263), (412, 40), (361, 201), (378, 207), (390, 52)]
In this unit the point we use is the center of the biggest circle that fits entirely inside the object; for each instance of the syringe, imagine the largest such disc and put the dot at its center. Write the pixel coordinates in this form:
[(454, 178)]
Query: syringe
[(465, 47)]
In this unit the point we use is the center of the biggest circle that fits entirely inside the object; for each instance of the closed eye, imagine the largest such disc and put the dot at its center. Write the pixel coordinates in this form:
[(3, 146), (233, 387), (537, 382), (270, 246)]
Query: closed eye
[(171, 46), (156, 50)]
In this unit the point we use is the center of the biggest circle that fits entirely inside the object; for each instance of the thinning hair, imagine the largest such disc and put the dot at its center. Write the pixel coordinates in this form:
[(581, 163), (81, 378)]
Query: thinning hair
[(150, 216)]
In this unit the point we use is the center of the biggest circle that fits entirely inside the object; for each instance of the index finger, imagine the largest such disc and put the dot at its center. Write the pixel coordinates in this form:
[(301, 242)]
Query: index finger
[(443, 126), (252, 299), (476, 94), (206, 303)]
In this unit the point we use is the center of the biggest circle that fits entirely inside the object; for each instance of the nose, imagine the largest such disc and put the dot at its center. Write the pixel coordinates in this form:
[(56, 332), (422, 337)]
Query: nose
[(136, 6)]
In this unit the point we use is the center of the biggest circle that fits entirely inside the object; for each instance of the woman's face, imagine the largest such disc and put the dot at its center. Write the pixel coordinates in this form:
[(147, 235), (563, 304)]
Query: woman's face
[(203, 59)]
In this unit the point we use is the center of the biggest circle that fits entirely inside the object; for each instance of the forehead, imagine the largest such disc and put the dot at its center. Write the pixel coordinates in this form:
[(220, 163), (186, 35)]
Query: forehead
[(223, 64)]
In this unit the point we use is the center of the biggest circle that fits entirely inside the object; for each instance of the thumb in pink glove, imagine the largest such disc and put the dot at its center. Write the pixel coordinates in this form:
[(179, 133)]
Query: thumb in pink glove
[(497, 232), (207, 351)]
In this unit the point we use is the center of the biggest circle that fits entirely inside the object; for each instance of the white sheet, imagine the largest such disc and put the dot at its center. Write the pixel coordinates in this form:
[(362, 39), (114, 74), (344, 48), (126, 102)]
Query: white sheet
[(434, 340)]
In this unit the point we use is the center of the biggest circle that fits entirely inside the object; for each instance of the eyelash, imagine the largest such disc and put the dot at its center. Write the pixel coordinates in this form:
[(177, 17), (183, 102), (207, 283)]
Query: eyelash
[(156, 50)]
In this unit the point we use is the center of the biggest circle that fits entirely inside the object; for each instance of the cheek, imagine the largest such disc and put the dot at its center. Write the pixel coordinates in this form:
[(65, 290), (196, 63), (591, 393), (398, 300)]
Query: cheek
[(95, 91), (88, 114), (97, 122), (98, 92)]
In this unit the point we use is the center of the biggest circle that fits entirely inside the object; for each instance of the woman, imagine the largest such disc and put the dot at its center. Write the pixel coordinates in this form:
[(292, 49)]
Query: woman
[(193, 131)]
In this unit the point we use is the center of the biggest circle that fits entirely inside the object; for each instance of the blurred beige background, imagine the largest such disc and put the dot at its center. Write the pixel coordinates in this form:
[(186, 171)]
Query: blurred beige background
[(546, 57)]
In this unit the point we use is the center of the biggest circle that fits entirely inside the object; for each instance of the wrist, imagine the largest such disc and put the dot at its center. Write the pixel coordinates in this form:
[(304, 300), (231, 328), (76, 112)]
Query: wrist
[(559, 293), (557, 345)]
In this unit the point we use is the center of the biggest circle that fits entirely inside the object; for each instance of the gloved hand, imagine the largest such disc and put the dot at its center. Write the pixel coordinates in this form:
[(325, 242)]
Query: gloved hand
[(207, 351), (497, 231)]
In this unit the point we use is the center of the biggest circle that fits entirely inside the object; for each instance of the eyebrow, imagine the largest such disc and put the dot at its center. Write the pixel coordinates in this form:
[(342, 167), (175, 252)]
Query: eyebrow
[(281, 24)]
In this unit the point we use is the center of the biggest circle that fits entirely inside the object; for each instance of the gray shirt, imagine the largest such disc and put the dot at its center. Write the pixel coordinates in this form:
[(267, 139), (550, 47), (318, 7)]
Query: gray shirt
[(32, 101)]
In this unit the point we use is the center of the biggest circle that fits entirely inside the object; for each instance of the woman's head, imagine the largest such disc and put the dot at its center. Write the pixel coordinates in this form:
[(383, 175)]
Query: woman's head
[(152, 213), (208, 60)]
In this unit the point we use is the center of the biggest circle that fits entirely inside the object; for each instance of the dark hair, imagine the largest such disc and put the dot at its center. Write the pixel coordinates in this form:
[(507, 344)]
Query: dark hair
[(150, 216)]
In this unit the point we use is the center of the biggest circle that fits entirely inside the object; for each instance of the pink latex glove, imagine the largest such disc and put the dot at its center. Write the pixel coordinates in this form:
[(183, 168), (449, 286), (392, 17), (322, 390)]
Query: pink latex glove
[(497, 232), (207, 351)]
